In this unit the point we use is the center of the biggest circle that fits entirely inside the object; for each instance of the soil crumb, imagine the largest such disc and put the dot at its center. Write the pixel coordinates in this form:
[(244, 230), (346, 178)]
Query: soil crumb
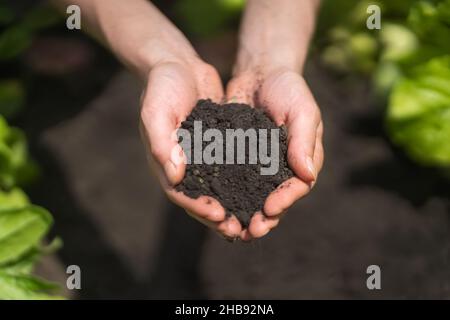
[(240, 188)]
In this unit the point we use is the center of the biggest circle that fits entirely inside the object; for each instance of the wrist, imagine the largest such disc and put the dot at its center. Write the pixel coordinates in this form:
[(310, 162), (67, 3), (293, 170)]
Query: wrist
[(260, 67), (157, 52), (263, 60), (282, 39)]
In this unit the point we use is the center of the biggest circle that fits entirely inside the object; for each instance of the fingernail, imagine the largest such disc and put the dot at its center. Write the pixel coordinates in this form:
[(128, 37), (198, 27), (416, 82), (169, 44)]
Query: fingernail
[(310, 165), (171, 171)]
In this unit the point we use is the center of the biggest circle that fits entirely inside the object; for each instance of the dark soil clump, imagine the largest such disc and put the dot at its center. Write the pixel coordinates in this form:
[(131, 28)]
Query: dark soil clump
[(240, 188)]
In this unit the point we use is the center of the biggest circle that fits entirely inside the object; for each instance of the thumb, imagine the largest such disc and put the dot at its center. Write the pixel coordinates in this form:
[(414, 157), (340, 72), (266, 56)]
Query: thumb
[(168, 96), (161, 141), (301, 147)]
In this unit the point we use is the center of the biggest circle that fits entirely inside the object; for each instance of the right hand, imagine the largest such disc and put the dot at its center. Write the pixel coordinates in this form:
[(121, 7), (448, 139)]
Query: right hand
[(171, 92)]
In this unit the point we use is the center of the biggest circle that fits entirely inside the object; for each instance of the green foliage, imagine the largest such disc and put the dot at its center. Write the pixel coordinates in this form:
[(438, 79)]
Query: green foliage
[(40, 17), (15, 166), (20, 230), (349, 51), (6, 15), (431, 23), (205, 18), (22, 225), (13, 41), (17, 33), (409, 64), (12, 97), (14, 198), (418, 116), (25, 287)]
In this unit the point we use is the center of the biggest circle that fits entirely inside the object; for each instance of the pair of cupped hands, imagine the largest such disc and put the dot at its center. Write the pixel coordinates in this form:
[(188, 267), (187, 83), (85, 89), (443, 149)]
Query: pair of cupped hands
[(171, 91)]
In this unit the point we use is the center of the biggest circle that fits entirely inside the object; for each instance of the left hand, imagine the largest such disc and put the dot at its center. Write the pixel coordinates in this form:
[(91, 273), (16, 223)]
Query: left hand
[(286, 98)]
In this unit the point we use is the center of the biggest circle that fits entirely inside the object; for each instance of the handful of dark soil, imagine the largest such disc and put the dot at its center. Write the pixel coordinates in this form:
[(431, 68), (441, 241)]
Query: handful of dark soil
[(240, 188)]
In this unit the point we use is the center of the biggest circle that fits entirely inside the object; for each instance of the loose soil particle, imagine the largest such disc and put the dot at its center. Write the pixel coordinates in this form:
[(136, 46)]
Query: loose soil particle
[(240, 188)]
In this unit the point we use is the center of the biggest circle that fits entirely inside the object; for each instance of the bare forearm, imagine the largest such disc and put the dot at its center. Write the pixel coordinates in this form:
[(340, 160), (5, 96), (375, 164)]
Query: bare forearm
[(135, 30), (275, 34)]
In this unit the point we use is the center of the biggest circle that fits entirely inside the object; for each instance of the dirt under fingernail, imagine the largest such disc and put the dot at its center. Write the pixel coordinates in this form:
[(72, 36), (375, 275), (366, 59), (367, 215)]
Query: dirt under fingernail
[(240, 188)]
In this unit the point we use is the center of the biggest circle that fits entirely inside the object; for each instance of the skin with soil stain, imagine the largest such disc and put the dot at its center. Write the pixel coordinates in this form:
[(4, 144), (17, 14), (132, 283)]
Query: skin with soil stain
[(240, 188)]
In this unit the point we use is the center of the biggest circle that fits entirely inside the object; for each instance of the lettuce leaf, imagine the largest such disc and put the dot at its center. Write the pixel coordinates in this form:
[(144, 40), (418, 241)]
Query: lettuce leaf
[(22, 225), (24, 287), (21, 230), (15, 198), (418, 116), (16, 167), (431, 22)]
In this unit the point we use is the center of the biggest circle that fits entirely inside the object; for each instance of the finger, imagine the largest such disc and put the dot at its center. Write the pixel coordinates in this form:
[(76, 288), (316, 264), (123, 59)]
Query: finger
[(302, 132), (205, 207), (210, 224), (318, 149), (292, 190), (285, 195), (230, 228), (289, 92), (261, 225), (169, 96), (162, 144), (245, 236)]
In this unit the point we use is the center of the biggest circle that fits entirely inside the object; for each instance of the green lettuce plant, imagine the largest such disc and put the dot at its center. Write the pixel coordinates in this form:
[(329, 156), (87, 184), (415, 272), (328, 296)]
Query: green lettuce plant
[(206, 18), (22, 225), (408, 60), (418, 115)]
